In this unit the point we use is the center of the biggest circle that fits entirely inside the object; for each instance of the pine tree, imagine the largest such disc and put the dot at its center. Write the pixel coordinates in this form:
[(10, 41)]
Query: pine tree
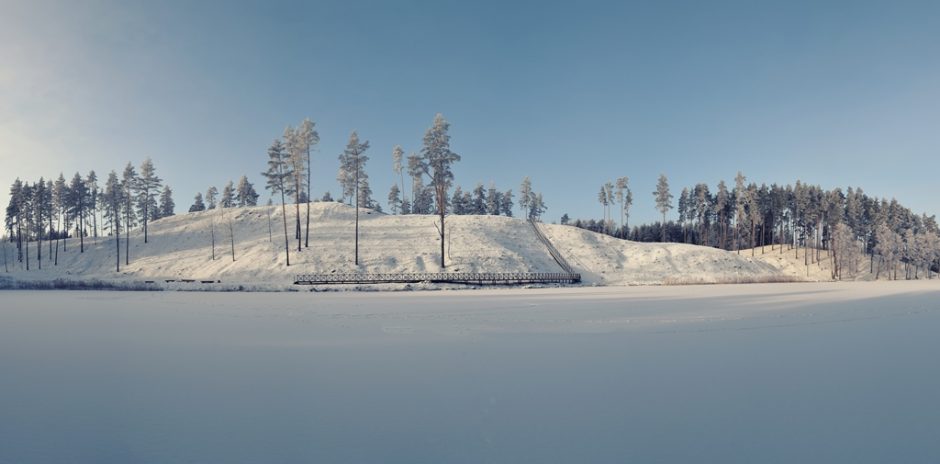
[(296, 157), (492, 200), (91, 186), (505, 203), (397, 157), (416, 172), (308, 138), (39, 208), (277, 175), (228, 195), (741, 200), (147, 188), (212, 195), (394, 199), (198, 204), (113, 198), (167, 206), (438, 160), (479, 200), (60, 196), (245, 194), (79, 196), (129, 187), (663, 200), (525, 194), (457, 205), (352, 163)]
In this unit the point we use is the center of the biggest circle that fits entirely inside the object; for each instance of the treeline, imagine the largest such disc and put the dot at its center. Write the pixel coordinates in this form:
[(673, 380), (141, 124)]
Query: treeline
[(848, 225), (54, 211)]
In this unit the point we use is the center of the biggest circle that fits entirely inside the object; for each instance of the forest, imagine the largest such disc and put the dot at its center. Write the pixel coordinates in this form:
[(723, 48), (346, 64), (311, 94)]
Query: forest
[(851, 229)]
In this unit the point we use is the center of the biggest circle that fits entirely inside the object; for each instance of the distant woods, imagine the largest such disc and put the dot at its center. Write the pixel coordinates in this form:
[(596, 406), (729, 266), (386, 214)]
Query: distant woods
[(849, 226)]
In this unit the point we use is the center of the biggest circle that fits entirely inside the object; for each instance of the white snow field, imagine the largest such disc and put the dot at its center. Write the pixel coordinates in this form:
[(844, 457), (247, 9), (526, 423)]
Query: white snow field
[(180, 248), (762, 373)]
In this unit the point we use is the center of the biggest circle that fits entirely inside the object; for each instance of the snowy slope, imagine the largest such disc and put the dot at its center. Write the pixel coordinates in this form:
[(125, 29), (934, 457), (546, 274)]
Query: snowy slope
[(179, 248)]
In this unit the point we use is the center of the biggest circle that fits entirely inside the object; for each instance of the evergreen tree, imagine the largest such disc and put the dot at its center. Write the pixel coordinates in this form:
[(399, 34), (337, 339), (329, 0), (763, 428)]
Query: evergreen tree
[(505, 203), (457, 204), (147, 187), (128, 187), (525, 194), (198, 204), (308, 138), (397, 157), (91, 186), (394, 199), (352, 164), (277, 176), (228, 195), (167, 206), (492, 200), (245, 194), (479, 200), (663, 200), (113, 199), (438, 160), (78, 200), (212, 195)]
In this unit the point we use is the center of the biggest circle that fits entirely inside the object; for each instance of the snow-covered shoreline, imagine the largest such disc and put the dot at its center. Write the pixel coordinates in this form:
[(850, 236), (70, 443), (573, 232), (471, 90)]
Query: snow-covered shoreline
[(179, 248)]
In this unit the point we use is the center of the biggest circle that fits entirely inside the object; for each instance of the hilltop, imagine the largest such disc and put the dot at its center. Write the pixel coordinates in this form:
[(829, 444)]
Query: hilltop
[(179, 247)]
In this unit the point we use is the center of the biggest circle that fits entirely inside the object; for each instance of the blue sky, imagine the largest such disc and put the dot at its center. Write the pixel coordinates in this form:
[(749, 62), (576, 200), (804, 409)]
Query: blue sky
[(571, 94)]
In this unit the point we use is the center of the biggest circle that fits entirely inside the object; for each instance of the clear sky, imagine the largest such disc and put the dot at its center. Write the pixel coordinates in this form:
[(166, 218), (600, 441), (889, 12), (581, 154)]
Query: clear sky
[(571, 93)]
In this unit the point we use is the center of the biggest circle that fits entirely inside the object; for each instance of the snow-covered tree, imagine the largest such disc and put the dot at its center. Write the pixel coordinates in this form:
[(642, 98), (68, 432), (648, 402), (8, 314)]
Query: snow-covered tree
[(129, 187), (146, 190), (228, 195), (277, 176), (308, 138), (212, 197), (505, 203), (492, 200), (525, 194), (198, 204), (394, 199), (91, 187), (245, 194), (663, 200), (167, 206), (397, 167), (352, 165), (78, 202), (113, 199), (438, 160)]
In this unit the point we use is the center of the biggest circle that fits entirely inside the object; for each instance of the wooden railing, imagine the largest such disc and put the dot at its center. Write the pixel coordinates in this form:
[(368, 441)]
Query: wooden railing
[(477, 278)]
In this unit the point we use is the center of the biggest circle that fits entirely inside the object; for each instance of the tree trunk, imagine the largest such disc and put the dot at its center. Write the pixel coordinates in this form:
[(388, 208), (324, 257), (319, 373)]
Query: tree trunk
[(284, 217), (307, 230), (270, 234), (212, 237), (127, 236), (356, 259), (117, 242), (441, 212), (81, 228)]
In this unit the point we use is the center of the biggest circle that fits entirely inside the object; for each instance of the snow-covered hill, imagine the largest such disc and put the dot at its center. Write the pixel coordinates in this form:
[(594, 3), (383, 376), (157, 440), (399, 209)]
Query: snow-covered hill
[(180, 248)]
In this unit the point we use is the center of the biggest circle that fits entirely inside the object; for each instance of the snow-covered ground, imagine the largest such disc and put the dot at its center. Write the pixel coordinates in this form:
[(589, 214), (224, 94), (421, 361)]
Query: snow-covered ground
[(803, 372), (180, 248)]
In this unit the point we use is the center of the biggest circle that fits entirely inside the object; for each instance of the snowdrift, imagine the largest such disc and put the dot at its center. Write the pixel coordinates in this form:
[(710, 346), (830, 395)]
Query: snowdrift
[(179, 247)]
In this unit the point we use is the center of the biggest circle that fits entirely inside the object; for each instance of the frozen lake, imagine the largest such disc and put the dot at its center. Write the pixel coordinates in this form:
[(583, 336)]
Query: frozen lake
[(753, 373)]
